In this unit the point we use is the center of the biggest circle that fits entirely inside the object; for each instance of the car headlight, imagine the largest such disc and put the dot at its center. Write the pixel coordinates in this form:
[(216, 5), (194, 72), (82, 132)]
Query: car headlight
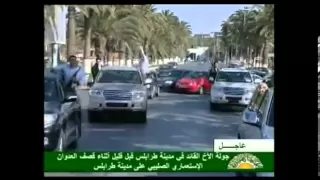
[(168, 82), (95, 92), (49, 119), (138, 95)]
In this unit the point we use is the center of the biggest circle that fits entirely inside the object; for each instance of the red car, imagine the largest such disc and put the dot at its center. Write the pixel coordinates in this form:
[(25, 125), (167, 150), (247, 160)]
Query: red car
[(194, 82)]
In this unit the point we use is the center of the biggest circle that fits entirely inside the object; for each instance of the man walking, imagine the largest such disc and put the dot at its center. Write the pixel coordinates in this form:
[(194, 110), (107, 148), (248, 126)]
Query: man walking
[(96, 68), (72, 75), (214, 69)]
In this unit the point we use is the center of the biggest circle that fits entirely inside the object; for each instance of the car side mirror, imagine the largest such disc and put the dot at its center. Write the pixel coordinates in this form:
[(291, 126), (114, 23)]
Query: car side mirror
[(148, 81), (71, 99), (251, 117), (258, 81)]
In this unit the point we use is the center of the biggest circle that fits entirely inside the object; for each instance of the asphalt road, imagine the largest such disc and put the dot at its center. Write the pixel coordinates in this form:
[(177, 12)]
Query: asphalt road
[(176, 122)]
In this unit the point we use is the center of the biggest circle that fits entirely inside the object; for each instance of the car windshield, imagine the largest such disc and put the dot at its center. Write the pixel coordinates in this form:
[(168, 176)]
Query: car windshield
[(243, 77), (172, 63), (119, 76), (50, 90)]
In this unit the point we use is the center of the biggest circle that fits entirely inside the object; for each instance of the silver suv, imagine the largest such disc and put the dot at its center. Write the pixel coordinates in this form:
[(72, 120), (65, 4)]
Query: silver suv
[(118, 88), (258, 120)]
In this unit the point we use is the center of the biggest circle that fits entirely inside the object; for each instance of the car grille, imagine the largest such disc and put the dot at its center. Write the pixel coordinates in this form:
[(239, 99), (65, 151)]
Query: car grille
[(234, 98), (233, 91), (117, 95)]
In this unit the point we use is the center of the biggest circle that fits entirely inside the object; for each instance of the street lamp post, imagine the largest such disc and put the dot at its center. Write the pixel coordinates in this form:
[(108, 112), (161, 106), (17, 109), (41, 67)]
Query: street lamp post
[(71, 30)]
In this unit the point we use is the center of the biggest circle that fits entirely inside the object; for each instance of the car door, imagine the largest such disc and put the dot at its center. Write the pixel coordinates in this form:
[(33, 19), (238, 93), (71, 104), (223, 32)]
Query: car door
[(74, 120), (197, 77), (247, 131), (70, 111), (268, 119)]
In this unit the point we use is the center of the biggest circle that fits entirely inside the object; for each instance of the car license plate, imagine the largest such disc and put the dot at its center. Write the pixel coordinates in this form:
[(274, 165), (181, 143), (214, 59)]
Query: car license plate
[(148, 86), (233, 99), (181, 86)]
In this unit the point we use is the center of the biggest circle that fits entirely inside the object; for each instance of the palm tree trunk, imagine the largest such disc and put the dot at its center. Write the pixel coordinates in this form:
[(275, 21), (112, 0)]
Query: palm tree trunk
[(71, 30), (109, 56), (126, 57), (103, 43), (87, 32), (261, 53), (265, 54), (237, 52), (145, 46), (122, 49)]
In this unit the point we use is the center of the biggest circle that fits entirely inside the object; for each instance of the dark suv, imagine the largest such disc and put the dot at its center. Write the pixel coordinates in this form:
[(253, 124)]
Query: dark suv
[(62, 115)]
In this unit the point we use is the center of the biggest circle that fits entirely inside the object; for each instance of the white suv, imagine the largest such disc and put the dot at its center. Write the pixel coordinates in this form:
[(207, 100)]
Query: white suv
[(233, 86), (118, 89)]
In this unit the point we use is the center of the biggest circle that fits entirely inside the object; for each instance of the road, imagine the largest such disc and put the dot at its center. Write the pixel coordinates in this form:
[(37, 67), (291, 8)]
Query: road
[(176, 122)]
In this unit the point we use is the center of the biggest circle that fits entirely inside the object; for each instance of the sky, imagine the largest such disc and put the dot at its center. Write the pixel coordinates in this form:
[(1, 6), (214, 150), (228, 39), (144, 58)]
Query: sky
[(202, 18)]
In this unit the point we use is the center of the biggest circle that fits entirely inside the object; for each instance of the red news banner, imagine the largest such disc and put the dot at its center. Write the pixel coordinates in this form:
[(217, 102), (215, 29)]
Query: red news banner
[(162, 161)]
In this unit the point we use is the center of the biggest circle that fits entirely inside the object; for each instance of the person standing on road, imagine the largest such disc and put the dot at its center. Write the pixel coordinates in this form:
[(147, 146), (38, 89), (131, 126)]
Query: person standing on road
[(214, 69), (72, 75), (143, 62), (96, 68)]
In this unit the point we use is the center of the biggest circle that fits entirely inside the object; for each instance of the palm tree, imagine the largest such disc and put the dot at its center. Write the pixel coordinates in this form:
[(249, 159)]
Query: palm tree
[(126, 27), (248, 32)]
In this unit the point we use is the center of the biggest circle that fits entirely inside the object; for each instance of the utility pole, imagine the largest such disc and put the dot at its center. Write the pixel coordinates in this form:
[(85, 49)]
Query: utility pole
[(71, 30)]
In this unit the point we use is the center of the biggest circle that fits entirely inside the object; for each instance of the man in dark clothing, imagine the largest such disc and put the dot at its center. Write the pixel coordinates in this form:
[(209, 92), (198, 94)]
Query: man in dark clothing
[(214, 69), (95, 68)]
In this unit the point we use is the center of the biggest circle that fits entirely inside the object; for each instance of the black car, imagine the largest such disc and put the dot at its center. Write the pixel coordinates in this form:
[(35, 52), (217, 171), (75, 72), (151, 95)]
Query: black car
[(260, 71), (62, 115), (152, 84), (173, 64), (167, 79), (165, 67)]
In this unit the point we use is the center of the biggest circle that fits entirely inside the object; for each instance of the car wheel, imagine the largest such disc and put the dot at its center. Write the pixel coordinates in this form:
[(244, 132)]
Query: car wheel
[(61, 139), (200, 91), (158, 92)]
